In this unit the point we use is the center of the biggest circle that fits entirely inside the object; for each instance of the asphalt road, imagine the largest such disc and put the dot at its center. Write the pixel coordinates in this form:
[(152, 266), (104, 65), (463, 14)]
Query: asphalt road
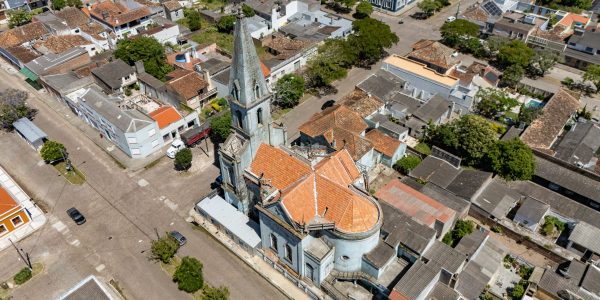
[(124, 210)]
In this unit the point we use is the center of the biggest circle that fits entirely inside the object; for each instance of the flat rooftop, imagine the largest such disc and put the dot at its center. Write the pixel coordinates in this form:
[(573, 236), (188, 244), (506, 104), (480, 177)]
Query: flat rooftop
[(420, 69)]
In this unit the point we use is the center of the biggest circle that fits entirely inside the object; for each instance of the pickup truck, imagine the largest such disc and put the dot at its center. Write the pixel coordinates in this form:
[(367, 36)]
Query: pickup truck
[(195, 134), (176, 146)]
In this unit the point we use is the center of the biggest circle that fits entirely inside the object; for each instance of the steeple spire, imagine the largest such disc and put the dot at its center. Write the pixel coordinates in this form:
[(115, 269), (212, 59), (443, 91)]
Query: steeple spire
[(246, 82)]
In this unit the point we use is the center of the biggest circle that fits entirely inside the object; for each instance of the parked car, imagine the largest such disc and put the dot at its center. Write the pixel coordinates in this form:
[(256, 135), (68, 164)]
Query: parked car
[(327, 104), (419, 15), (217, 183), (76, 216), (179, 237), (176, 146), (451, 18)]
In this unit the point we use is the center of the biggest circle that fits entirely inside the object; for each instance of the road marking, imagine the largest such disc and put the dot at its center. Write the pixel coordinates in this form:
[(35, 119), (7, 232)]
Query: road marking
[(60, 227), (75, 243), (40, 163), (171, 204), (142, 182), (100, 267)]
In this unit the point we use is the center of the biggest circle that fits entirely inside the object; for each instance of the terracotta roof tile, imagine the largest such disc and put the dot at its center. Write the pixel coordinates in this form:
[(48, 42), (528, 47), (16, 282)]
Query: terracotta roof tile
[(362, 103), (543, 131), (165, 116), (17, 36), (326, 189), (433, 52), (117, 13), (172, 5), (383, 143), (476, 14), (7, 202), (188, 85), (356, 145), (23, 54), (73, 16), (57, 44), (336, 116)]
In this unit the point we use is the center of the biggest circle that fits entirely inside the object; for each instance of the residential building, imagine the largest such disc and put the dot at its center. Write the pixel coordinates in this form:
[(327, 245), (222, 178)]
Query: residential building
[(56, 63), (583, 49), (57, 44), (316, 25), (435, 55), (575, 279), (114, 76), (19, 216), (277, 13), (287, 55), (583, 241), (14, 43), (173, 10), (132, 131), (188, 88), (579, 145), (73, 17), (91, 285), (162, 33), (531, 213), (121, 17), (27, 5), (516, 25), (171, 123), (393, 6), (61, 86)]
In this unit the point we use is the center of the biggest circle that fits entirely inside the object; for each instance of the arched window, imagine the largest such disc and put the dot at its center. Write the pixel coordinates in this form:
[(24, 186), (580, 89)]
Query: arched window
[(238, 116), (256, 91), (259, 116), (235, 92)]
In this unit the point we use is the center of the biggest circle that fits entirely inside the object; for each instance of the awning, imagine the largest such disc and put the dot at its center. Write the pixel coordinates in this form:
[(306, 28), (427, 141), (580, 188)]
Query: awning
[(28, 130), (29, 74)]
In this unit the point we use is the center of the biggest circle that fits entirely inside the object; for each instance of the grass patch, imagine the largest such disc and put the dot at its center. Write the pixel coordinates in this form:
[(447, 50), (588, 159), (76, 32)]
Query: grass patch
[(170, 269), (511, 115), (74, 176), (280, 113), (6, 292), (423, 148), (212, 35), (209, 4)]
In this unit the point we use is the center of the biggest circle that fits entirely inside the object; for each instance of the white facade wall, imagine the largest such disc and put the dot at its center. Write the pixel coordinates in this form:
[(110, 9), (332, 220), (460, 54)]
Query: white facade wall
[(167, 35)]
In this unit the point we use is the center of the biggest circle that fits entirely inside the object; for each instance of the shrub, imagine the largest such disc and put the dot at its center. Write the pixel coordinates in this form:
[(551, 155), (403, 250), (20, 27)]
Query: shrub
[(213, 293), (164, 248), (53, 151), (525, 272), (496, 229), (518, 290), (407, 163), (127, 92), (23, 276), (550, 223), (183, 159), (189, 275)]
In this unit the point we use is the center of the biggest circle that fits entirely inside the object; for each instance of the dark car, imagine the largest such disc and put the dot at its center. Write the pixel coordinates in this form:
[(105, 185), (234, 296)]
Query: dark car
[(179, 237), (327, 104), (76, 216)]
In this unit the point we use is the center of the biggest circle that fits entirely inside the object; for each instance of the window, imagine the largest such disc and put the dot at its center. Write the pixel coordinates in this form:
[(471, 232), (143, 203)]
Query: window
[(16, 220), (192, 123), (297, 65), (166, 137), (259, 116), (256, 90), (154, 143), (127, 77), (345, 257), (135, 151), (288, 252), (238, 116), (180, 129), (131, 140), (3, 229), (273, 242), (151, 132)]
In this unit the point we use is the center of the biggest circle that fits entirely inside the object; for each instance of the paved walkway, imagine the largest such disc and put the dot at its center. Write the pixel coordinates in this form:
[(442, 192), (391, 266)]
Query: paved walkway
[(260, 266)]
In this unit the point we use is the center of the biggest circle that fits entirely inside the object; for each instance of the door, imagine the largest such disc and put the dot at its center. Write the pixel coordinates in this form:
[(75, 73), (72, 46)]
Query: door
[(309, 272)]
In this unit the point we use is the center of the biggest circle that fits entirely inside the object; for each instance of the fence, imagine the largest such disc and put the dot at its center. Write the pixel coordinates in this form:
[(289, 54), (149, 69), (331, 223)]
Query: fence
[(299, 283)]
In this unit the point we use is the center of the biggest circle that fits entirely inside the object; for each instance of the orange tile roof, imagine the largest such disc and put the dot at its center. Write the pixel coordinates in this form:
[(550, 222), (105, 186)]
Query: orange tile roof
[(188, 85), (165, 116), (383, 143), (319, 194), (117, 13), (265, 70), (172, 60), (86, 11), (337, 116), (7, 203), (57, 44), (19, 35), (571, 18), (433, 52), (417, 205), (395, 295)]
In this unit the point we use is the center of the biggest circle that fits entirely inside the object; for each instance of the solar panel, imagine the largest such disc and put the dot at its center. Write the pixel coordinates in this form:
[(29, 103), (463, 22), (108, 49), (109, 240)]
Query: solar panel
[(492, 8)]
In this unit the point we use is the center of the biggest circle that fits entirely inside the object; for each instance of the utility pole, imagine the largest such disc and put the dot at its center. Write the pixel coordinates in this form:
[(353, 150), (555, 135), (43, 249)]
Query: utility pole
[(25, 257), (65, 156), (457, 10)]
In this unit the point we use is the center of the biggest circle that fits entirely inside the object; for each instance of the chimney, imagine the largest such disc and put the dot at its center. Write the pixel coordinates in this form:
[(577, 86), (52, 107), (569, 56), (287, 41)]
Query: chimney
[(187, 57), (139, 67)]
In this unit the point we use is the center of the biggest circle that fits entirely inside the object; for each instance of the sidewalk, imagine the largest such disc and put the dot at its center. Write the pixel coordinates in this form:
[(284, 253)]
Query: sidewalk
[(110, 148), (261, 267)]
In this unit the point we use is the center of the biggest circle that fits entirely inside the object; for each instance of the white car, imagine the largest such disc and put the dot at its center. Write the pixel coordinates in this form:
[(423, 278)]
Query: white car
[(176, 146), (451, 18)]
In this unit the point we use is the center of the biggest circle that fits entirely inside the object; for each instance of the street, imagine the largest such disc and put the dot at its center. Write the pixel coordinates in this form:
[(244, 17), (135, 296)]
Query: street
[(124, 211), (410, 32)]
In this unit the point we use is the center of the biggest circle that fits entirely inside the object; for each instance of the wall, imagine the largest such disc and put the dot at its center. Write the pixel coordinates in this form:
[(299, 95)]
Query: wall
[(321, 269), (268, 227), (291, 64), (9, 225), (175, 15), (148, 140), (70, 65), (348, 253), (168, 35)]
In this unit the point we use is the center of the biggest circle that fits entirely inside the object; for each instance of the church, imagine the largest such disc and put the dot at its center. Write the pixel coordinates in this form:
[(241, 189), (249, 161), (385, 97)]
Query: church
[(313, 211)]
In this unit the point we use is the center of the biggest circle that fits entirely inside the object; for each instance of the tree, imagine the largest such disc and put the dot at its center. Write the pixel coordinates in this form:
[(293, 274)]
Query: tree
[(347, 3), (212, 293), (220, 127), (289, 89), (23, 276), (248, 11), (407, 163), (541, 63), (512, 75), (518, 290), (428, 6), (338, 51), (75, 3), (194, 20), (370, 38), (461, 228), (183, 159), (226, 24), (494, 43), (515, 53), (18, 17), (512, 160), (13, 106), (53, 151), (593, 74), (146, 49), (164, 248), (364, 9), (321, 72), (456, 31), (493, 102), (529, 113), (58, 4), (188, 275), (472, 45)]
